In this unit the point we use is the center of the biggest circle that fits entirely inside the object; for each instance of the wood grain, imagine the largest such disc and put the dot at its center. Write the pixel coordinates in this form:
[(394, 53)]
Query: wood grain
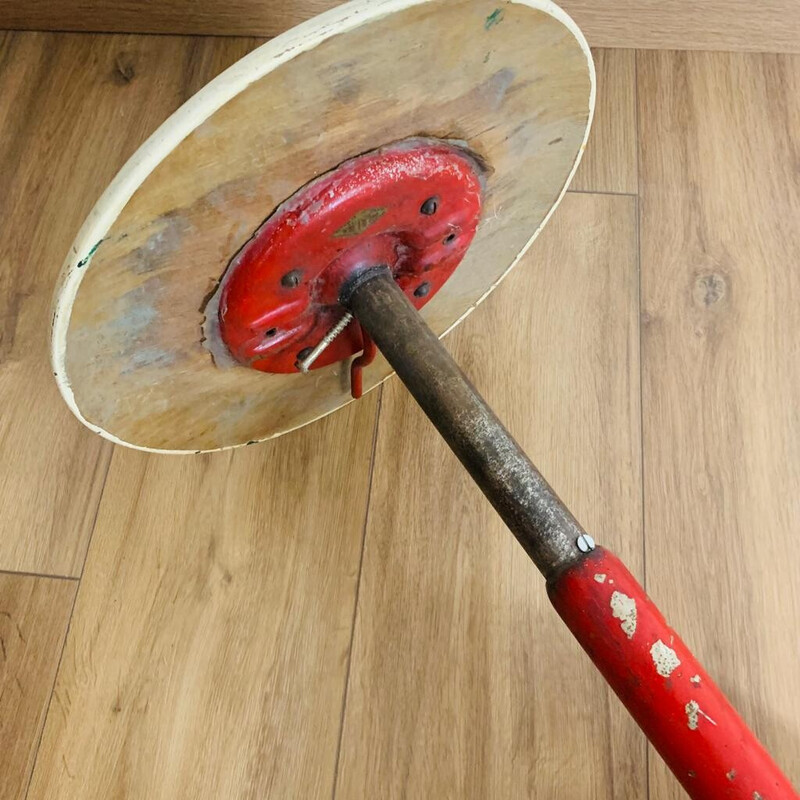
[(720, 135), (34, 613), (464, 683), (609, 161), (771, 26), (75, 108), (130, 349), (208, 647)]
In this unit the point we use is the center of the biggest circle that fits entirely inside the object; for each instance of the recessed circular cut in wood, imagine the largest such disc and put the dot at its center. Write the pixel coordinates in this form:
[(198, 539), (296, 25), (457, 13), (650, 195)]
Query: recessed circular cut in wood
[(513, 81)]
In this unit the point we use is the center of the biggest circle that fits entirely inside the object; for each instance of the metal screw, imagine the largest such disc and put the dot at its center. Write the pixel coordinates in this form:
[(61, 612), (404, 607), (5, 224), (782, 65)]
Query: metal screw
[(422, 289), (292, 278), (307, 356), (585, 543), (429, 206)]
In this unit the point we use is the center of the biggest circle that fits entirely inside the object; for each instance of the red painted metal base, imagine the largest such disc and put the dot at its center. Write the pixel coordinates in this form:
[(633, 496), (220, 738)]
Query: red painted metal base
[(687, 718), (413, 206)]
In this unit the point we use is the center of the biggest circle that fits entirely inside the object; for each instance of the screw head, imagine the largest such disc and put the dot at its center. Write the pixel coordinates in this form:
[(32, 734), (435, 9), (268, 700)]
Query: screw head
[(304, 353), (422, 289), (292, 278), (585, 543), (429, 207)]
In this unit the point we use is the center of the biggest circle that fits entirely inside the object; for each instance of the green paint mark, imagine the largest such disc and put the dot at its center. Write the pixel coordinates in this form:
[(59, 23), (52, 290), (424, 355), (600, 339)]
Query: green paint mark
[(495, 18), (84, 261), (359, 222)]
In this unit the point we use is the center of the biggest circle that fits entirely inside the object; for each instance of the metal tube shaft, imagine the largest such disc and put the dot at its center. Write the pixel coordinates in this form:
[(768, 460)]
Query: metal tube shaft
[(540, 521)]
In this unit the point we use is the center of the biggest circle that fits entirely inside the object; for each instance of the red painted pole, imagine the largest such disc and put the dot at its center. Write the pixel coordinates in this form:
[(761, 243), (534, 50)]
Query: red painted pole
[(687, 718)]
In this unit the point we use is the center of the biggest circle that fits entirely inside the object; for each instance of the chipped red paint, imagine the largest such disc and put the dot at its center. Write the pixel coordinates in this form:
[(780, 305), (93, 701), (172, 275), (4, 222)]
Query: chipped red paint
[(280, 294), (687, 718)]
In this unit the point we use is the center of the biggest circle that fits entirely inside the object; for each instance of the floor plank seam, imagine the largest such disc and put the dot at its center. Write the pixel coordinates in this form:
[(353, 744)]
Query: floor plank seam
[(66, 632), (602, 193), (167, 34), (25, 574), (50, 697), (358, 593), (641, 359)]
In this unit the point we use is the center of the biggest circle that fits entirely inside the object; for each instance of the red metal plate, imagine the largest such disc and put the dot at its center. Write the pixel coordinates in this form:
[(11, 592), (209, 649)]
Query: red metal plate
[(413, 206)]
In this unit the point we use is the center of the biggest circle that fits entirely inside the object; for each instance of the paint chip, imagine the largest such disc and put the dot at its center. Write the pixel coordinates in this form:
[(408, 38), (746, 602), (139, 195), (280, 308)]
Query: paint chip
[(495, 18), (692, 709), (757, 796), (693, 714), (84, 261), (600, 577), (731, 775), (359, 222), (695, 679), (624, 608), (665, 659)]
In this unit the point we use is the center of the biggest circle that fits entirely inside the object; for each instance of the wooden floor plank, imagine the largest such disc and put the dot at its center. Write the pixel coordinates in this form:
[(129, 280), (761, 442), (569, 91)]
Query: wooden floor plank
[(720, 136), (208, 647), (75, 107), (769, 26), (464, 683), (609, 162), (34, 613)]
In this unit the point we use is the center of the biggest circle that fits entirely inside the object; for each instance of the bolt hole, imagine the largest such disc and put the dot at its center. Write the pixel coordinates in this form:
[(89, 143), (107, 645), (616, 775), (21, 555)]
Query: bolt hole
[(292, 279), (422, 289), (450, 238), (429, 207), (304, 353), (270, 333)]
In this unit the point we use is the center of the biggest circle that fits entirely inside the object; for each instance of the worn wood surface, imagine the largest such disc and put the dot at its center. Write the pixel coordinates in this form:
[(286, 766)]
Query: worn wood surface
[(609, 162), (76, 108), (464, 683), (129, 349), (770, 26), (209, 644), (34, 613), (720, 200)]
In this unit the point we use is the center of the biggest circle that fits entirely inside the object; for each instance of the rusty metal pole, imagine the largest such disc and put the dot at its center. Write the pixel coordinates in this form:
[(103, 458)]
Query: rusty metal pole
[(541, 522), (683, 713)]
